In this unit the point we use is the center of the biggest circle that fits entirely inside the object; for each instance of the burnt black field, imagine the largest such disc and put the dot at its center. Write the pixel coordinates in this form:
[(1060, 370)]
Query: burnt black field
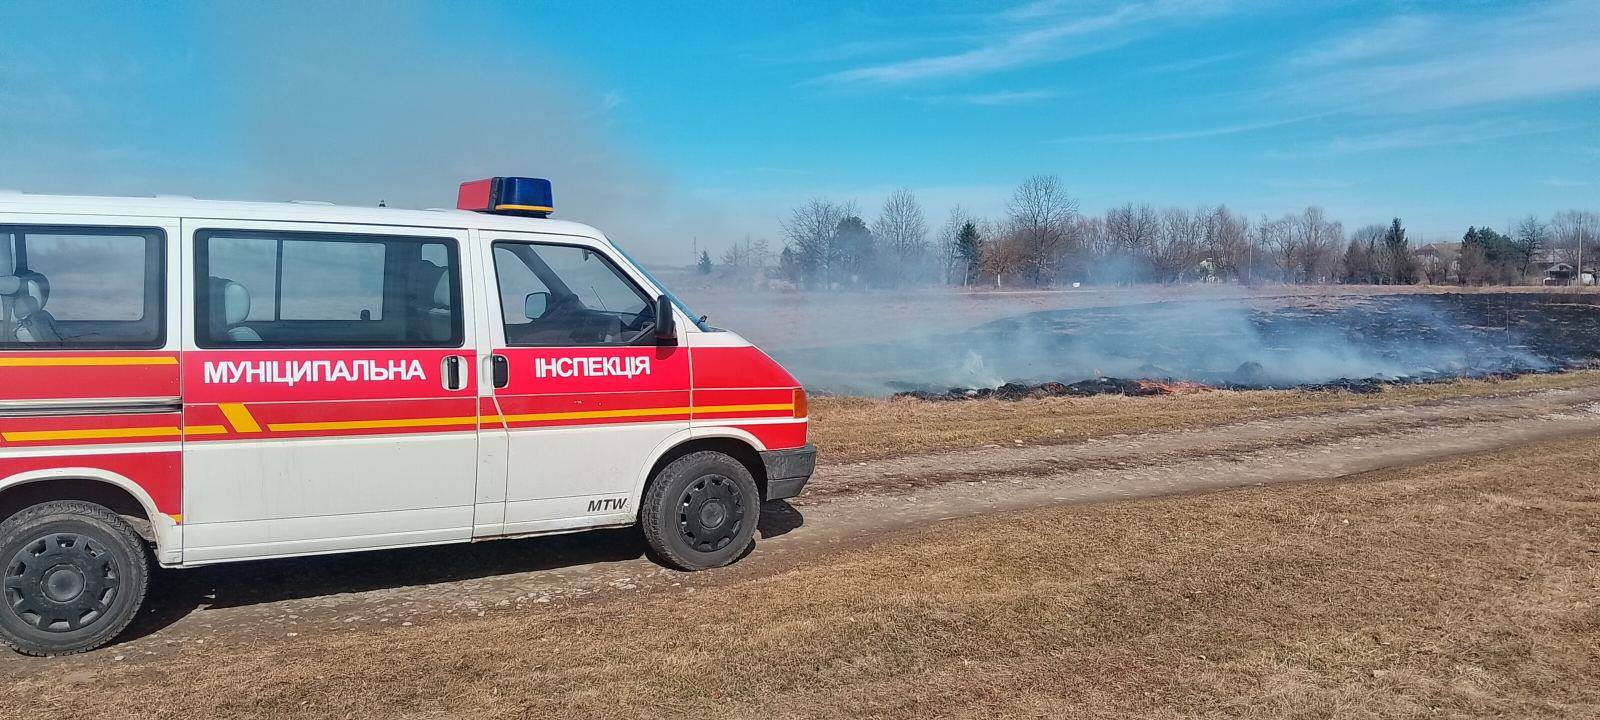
[(1350, 342)]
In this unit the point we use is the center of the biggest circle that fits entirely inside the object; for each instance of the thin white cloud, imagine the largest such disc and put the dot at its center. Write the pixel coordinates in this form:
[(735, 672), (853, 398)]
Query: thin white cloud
[(1437, 62), (999, 98), (1190, 64), (1391, 36), (1193, 134), (1562, 182), (1435, 135), (1033, 34)]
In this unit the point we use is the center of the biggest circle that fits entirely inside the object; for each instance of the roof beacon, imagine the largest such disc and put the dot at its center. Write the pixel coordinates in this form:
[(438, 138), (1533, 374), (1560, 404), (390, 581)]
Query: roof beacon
[(528, 197)]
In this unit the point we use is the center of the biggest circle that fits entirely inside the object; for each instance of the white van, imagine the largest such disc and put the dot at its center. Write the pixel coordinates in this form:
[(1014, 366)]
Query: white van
[(195, 382)]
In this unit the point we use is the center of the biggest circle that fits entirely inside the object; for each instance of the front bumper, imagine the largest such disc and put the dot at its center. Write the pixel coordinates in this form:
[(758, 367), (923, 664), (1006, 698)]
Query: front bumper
[(788, 471)]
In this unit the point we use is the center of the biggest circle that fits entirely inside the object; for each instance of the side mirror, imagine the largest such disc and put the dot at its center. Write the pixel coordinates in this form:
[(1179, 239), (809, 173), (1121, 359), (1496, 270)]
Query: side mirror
[(535, 305), (666, 325)]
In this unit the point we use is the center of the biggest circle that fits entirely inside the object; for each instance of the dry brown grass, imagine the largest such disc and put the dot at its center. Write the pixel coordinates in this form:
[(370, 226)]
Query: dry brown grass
[(855, 428), (1464, 588)]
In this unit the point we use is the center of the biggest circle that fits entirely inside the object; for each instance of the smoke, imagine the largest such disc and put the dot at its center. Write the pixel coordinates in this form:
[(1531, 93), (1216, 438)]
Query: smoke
[(349, 103), (1395, 337)]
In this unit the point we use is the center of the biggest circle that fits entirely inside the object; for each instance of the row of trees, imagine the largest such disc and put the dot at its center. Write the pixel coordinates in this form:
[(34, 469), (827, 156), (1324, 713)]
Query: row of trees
[(1045, 240)]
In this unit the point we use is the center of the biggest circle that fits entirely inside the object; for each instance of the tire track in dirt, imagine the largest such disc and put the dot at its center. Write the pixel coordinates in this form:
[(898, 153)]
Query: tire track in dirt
[(277, 601)]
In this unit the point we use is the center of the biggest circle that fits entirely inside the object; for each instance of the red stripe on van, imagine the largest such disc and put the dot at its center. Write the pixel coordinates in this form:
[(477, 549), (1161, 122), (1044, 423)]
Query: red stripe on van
[(157, 473), (88, 374)]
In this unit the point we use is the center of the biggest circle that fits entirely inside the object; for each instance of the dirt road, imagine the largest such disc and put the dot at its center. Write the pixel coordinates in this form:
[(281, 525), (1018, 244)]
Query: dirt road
[(283, 600)]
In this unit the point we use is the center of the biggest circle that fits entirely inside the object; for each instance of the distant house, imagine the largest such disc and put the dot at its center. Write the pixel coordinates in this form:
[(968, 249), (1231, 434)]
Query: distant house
[(1439, 261), (1559, 273), (1565, 273), (1439, 251)]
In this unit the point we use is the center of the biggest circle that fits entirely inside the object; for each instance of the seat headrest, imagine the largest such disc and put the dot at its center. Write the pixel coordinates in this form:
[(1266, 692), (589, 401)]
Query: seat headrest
[(235, 303), (442, 296)]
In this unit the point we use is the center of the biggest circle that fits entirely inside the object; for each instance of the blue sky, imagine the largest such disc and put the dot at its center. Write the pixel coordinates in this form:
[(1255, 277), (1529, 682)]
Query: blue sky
[(668, 122)]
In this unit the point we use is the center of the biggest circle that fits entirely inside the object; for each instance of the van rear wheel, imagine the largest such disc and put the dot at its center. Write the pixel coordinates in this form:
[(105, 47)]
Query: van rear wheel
[(701, 511), (72, 575)]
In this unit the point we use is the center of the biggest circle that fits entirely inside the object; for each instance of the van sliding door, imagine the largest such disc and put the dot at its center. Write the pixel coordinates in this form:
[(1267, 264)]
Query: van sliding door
[(330, 389)]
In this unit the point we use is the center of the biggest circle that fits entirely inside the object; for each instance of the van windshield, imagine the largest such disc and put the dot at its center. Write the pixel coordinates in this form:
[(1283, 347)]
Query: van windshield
[(694, 317)]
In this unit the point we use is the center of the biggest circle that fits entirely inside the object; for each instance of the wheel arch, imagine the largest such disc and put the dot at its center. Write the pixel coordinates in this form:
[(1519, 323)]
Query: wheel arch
[(739, 445), (102, 487)]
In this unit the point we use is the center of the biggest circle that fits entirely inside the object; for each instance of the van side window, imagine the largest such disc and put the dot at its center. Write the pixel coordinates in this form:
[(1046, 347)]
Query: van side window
[(258, 288), (565, 295), (82, 287)]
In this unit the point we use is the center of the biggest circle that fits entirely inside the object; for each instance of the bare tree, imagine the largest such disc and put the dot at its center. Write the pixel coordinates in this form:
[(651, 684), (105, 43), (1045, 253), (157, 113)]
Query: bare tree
[(809, 230), (1363, 257), (1278, 241), (1227, 242), (903, 233), (950, 244), (1131, 233), (1532, 237), (1317, 240), (1040, 215), (747, 256), (1176, 252), (1575, 233), (1436, 266), (1133, 228), (1004, 257)]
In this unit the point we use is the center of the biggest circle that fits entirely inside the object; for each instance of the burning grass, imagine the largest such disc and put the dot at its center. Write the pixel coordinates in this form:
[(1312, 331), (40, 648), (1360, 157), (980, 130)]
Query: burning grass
[(856, 428), (1457, 589), (1354, 343)]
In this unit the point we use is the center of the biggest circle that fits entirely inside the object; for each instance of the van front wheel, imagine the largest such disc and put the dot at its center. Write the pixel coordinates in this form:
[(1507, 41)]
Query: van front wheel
[(72, 576), (701, 511)]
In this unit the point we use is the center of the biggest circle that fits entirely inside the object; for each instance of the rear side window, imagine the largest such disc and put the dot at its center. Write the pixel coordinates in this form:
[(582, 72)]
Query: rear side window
[(290, 289), (82, 287)]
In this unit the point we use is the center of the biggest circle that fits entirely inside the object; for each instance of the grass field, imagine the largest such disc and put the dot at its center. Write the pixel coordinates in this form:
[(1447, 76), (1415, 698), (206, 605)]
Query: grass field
[(1464, 588), (856, 428)]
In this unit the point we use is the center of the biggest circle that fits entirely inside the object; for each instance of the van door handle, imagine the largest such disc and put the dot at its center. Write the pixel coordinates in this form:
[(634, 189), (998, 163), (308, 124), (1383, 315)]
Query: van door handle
[(452, 373), (502, 371)]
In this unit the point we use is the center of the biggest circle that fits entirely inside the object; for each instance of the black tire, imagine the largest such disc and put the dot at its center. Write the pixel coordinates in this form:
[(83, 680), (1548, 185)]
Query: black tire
[(72, 576), (701, 511)]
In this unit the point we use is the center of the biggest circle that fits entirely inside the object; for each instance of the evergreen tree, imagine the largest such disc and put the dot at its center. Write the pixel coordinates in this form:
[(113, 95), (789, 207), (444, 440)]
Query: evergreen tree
[(1489, 257), (857, 250), (969, 249), (789, 266), (1358, 267), (1401, 264), (705, 263)]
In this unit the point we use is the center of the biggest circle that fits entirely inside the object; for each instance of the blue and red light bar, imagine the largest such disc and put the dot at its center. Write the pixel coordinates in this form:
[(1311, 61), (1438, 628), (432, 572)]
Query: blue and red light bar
[(531, 197)]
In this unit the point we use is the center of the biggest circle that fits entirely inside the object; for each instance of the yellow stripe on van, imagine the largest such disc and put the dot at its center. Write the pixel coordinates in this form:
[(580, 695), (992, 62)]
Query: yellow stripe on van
[(643, 412), (84, 361), (91, 434), (743, 408), (386, 424), (239, 417), (595, 414)]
